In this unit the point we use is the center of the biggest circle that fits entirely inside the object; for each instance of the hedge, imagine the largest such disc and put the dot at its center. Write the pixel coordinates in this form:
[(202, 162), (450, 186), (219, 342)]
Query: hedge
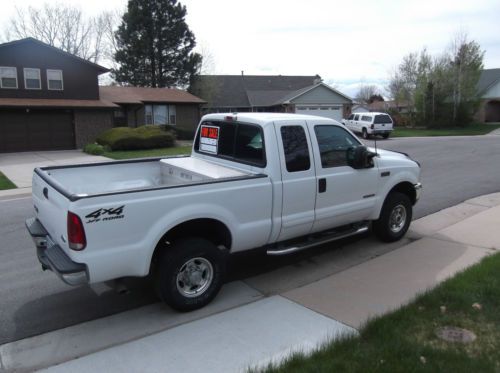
[(144, 137)]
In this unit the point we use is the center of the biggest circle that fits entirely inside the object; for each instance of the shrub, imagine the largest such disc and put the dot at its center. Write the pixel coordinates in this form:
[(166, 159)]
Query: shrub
[(181, 133), (94, 149), (144, 137)]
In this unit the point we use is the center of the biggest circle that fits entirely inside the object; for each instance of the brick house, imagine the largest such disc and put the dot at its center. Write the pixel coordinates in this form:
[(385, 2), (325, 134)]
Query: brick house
[(51, 100)]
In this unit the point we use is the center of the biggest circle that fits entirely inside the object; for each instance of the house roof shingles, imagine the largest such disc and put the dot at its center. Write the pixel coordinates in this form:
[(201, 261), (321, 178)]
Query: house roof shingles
[(139, 95), (251, 90)]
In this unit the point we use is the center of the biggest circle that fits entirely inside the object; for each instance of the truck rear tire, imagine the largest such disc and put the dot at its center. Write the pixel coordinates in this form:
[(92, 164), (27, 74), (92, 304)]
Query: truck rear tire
[(364, 134), (190, 274), (394, 219)]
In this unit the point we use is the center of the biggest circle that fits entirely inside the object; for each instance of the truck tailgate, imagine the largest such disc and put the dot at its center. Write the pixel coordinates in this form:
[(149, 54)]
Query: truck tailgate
[(51, 209)]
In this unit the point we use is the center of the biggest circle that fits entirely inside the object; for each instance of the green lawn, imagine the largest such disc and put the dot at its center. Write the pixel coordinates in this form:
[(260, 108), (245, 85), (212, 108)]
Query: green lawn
[(127, 154), (405, 340), (474, 129), (6, 183)]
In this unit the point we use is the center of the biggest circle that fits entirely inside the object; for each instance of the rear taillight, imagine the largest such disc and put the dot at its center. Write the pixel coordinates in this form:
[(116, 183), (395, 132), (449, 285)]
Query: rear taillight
[(76, 233), (372, 126)]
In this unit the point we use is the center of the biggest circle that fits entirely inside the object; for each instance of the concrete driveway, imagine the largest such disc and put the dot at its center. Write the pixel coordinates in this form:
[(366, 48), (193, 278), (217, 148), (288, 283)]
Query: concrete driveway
[(18, 167)]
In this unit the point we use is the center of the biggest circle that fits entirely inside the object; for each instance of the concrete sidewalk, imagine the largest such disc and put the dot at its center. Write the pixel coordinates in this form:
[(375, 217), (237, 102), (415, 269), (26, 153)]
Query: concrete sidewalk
[(18, 167), (267, 318)]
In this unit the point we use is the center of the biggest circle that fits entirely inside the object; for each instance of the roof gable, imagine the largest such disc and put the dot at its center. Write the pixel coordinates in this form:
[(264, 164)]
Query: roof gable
[(39, 43), (318, 93), (487, 79)]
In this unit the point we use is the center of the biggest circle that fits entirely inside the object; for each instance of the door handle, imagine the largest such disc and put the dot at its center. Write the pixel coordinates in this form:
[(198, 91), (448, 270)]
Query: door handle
[(322, 185)]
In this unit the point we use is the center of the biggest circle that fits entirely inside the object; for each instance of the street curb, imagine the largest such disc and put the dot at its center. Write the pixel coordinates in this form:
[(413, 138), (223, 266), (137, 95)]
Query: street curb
[(17, 192)]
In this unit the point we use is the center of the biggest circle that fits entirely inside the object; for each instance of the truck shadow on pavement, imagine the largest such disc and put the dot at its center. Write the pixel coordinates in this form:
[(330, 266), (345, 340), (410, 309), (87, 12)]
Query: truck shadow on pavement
[(269, 275)]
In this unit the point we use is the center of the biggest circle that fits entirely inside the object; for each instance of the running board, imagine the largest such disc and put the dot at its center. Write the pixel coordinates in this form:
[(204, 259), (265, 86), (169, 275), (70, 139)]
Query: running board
[(319, 241)]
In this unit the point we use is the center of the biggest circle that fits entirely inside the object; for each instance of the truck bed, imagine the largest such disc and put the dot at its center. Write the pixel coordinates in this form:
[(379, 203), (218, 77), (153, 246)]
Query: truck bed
[(111, 177)]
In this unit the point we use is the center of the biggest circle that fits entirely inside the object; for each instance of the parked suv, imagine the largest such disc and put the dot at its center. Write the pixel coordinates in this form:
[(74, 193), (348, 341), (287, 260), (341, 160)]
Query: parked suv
[(370, 124)]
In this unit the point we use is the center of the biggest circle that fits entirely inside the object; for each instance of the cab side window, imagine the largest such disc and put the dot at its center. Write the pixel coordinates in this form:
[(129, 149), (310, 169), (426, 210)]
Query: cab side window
[(296, 148), (356, 117), (333, 142)]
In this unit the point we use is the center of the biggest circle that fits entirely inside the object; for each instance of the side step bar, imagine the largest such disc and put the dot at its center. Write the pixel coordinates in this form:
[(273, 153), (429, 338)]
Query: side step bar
[(316, 242)]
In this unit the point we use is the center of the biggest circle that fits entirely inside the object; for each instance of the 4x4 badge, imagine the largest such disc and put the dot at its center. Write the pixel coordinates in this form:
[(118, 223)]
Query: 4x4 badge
[(103, 214)]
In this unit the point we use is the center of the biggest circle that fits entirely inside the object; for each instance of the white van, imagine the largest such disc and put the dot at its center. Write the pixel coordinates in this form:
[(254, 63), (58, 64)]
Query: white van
[(370, 124)]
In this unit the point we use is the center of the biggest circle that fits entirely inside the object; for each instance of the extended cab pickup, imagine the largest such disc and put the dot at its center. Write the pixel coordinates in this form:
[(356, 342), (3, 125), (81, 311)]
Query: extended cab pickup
[(276, 182)]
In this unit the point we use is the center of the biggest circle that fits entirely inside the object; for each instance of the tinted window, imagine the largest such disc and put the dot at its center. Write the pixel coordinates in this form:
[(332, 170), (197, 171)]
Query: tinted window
[(351, 116), (296, 149), (356, 117), (333, 143), (366, 118), (382, 118), (236, 141)]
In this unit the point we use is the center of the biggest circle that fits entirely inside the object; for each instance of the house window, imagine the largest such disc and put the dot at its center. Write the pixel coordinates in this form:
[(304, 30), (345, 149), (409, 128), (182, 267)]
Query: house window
[(32, 79), (8, 77), (55, 80), (173, 116), (160, 114)]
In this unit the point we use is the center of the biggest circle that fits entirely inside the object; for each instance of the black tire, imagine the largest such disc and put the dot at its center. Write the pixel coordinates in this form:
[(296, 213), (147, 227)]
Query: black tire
[(175, 264), (364, 134), (385, 135), (387, 228)]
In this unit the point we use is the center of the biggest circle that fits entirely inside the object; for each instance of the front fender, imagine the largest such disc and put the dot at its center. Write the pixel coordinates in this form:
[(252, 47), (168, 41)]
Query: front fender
[(398, 178)]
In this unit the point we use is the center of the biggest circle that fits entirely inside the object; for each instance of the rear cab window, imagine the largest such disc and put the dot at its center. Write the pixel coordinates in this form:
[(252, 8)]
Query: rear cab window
[(382, 119), (234, 141)]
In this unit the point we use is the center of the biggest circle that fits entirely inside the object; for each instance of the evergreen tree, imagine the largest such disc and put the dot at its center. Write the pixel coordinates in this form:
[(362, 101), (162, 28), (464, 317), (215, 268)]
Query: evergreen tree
[(155, 45)]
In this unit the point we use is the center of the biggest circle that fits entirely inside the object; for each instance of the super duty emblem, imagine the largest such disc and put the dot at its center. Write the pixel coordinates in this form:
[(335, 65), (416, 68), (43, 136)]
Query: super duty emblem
[(103, 214)]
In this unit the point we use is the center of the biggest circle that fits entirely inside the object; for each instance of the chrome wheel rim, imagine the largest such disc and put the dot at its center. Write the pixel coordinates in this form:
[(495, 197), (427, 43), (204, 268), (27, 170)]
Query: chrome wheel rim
[(194, 277), (397, 218)]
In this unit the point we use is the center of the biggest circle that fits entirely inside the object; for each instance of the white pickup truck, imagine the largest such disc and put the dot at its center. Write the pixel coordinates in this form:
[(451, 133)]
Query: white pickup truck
[(275, 182)]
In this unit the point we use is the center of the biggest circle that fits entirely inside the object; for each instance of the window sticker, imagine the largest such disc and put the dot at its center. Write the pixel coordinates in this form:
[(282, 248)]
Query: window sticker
[(209, 139)]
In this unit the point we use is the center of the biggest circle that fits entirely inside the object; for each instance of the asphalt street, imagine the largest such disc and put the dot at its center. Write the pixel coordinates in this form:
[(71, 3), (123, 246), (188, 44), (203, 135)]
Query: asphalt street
[(33, 302)]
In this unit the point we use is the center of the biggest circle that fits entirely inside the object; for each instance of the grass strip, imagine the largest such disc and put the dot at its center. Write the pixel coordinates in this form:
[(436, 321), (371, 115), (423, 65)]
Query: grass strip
[(405, 340)]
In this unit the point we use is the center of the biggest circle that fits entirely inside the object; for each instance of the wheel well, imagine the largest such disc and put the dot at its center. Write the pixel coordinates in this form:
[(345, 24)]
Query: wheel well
[(210, 229), (406, 188)]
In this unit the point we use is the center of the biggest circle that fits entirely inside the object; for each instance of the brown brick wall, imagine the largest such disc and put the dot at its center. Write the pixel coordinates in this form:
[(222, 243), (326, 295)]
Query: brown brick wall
[(90, 123)]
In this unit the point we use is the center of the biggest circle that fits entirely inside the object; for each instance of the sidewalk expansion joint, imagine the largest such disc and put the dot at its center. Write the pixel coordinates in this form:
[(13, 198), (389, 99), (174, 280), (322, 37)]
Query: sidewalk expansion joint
[(319, 313), (460, 243)]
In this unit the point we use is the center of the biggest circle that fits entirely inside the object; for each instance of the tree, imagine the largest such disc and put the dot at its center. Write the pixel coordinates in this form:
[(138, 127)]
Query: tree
[(155, 45), (466, 63), (365, 92), (62, 26)]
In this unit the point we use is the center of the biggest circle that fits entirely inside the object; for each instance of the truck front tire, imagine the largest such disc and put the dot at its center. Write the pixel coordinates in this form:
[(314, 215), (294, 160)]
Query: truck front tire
[(394, 219), (190, 273)]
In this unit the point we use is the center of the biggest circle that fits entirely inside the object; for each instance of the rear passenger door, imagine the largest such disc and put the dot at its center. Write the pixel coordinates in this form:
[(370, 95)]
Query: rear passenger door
[(298, 179)]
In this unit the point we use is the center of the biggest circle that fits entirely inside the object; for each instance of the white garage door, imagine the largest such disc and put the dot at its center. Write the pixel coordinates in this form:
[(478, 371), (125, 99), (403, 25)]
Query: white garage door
[(333, 112)]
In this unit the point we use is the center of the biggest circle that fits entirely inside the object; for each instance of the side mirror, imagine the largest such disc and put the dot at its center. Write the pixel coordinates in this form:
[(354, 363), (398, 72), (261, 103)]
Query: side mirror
[(359, 157)]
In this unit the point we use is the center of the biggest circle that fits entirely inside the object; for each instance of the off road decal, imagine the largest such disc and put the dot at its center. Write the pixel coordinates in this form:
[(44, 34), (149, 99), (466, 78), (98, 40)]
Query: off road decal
[(103, 214)]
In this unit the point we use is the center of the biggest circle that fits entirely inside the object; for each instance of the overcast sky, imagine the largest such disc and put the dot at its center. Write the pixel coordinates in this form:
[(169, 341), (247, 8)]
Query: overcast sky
[(348, 43)]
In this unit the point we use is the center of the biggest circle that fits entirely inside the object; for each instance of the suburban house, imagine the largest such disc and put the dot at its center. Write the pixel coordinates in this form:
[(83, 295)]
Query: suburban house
[(51, 100), (488, 88), (277, 93)]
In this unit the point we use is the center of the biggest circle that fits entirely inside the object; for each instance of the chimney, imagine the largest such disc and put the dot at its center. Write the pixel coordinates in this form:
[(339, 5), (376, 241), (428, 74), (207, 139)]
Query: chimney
[(317, 79), (242, 72)]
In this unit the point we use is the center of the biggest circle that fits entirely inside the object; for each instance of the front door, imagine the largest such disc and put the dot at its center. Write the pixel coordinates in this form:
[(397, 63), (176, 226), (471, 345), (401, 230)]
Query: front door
[(344, 195)]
